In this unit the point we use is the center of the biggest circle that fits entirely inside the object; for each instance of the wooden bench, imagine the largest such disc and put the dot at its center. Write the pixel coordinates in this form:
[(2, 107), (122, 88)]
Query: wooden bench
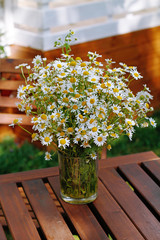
[(127, 206), (10, 80)]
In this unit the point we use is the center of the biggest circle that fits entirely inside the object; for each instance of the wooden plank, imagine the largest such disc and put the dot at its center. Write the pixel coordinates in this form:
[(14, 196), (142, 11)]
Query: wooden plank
[(9, 64), (10, 84), (81, 216), (130, 158), (118, 222), (8, 102), (27, 175), (8, 118), (154, 169), (19, 221), (50, 220), (2, 234), (143, 184), (139, 214)]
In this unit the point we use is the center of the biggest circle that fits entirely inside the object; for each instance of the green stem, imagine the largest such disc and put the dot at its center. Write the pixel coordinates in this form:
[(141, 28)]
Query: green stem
[(24, 129)]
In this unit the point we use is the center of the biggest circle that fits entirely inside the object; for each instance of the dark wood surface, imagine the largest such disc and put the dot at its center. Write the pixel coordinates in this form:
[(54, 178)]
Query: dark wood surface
[(127, 207)]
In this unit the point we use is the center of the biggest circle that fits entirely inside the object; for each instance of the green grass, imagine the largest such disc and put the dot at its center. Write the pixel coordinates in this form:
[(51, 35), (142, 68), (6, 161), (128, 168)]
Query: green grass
[(27, 157), (144, 139)]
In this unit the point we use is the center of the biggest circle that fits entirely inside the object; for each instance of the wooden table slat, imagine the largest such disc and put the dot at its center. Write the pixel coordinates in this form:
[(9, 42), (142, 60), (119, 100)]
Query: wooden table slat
[(12, 204), (154, 168), (144, 184), (114, 216), (87, 226), (2, 234), (127, 159), (50, 220), (143, 219), (27, 175)]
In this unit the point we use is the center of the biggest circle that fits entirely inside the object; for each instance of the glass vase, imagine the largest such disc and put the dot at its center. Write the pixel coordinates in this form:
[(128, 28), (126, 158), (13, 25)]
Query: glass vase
[(78, 179)]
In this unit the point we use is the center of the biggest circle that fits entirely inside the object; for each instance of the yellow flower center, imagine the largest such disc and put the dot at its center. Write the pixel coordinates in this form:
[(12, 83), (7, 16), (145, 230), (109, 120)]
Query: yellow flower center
[(93, 79), (115, 90), (119, 97), (75, 107), (136, 74), (99, 139), (109, 147), (108, 84), (94, 129), (62, 134), (83, 64), (63, 120), (83, 132), (78, 59), (72, 80), (70, 129), (73, 63), (62, 141), (85, 73), (77, 95), (91, 121), (44, 117), (59, 65), (58, 115), (90, 90), (34, 135), (71, 90), (92, 100), (65, 100), (74, 71), (15, 121), (103, 85), (46, 139), (80, 116), (65, 91)]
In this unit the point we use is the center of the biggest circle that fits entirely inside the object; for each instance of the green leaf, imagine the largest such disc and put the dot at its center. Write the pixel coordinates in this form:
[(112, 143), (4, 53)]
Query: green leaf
[(76, 237)]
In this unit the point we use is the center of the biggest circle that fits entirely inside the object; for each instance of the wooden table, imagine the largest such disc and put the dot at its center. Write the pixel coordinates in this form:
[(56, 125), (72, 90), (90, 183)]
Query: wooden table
[(127, 207)]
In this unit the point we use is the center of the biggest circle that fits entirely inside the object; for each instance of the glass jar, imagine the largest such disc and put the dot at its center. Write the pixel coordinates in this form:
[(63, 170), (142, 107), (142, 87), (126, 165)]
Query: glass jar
[(78, 179)]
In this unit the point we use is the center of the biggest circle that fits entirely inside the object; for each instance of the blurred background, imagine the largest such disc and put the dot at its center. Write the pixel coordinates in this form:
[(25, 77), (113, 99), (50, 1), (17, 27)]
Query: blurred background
[(125, 30)]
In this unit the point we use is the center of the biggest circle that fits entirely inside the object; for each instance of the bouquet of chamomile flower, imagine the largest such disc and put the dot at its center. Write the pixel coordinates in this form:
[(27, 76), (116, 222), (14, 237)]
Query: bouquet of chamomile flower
[(82, 106)]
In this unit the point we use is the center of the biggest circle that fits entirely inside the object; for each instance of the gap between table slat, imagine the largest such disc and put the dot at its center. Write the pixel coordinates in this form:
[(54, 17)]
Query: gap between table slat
[(49, 218), (153, 168), (143, 184), (142, 218), (19, 221), (81, 216), (115, 218), (2, 233)]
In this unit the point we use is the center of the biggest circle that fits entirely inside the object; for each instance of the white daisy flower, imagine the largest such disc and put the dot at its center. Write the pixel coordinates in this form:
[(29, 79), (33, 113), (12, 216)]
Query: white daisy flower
[(129, 122), (35, 137), (47, 156), (51, 107), (16, 122), (92, 101), (63, 142), (93, 156), (136, 74), (46, 139), (99, 140), (116, 109), (152, 122)]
